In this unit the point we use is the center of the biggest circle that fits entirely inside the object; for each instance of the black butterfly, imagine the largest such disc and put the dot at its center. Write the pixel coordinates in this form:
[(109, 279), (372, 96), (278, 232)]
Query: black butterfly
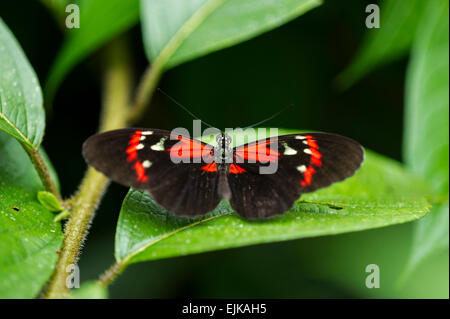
[(152, 159)]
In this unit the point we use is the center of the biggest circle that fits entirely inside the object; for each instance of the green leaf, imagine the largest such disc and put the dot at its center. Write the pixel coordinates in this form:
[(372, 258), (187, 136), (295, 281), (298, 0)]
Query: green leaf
[(89, 290), (29, 238), (49, 201), (100, 22), (426, 139), (427, 99), (430, 235), (21, 113), (176, 31), (392, 41), (381, 193)]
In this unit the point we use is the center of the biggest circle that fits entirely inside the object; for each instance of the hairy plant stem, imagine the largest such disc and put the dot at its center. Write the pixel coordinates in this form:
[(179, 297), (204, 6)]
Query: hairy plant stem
[(84, 205), (43, 172), (111, 273), (116, 113), (117, 88)]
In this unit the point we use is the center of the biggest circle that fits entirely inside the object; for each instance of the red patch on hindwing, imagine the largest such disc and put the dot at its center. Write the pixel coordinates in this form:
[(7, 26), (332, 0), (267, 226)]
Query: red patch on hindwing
[(236, 169), (211, 167)]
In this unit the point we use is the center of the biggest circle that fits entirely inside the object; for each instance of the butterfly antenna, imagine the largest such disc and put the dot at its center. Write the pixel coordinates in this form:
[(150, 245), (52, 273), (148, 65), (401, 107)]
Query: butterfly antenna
[(269, 118), (183, 107)]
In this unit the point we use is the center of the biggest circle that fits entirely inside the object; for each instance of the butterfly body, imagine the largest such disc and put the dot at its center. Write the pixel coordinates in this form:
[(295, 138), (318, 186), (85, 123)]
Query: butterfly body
[(189, 177)]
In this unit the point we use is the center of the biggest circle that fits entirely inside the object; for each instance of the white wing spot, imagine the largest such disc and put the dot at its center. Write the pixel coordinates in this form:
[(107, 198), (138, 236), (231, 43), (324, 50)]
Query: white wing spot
[(142, 138), (305, 142), (307, 151), (140, 146), (146, 164), (147, 133), (288, 150), (300, 137), (159, 146), (301, 168)]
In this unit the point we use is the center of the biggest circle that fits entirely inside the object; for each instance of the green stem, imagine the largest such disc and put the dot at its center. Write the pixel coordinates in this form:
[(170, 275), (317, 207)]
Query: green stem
[(43, 172), (94, 184), (91, 190), (144, 94), (115, 114), (111, 273), (145, 90)]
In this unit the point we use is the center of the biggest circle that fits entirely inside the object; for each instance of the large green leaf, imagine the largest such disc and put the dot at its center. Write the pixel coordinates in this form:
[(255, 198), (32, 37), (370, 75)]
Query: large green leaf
[(21, 111), (29, 238), (381, 193), (426, 142), (398, 21), (100, 21), (175, 31)]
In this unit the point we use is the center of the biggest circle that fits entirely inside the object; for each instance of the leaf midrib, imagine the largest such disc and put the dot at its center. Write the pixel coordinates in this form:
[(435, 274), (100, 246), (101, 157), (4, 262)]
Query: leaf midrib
[(25, 139), (28, 143), (189, 26), (128, 257)]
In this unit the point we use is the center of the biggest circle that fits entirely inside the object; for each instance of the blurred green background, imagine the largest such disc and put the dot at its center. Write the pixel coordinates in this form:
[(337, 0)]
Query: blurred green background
[(296, 63)]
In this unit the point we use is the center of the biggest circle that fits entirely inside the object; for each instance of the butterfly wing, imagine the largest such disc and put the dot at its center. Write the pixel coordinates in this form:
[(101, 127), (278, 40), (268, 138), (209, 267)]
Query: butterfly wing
[(304, 163), (176, 170)]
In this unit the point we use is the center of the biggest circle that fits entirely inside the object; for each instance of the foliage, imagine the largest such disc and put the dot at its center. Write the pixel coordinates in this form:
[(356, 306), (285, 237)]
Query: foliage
[(383, 192), (21, 112), (30, 239), (427, 119)]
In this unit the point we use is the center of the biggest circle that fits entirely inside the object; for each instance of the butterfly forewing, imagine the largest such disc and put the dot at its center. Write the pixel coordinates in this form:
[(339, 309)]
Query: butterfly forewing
[(332, 158)]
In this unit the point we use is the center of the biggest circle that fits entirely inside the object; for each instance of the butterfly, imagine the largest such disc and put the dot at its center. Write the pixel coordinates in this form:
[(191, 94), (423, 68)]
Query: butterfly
[(189, 177)]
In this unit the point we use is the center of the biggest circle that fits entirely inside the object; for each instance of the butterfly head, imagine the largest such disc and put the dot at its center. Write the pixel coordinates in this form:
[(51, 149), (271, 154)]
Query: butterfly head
[(223, 140)]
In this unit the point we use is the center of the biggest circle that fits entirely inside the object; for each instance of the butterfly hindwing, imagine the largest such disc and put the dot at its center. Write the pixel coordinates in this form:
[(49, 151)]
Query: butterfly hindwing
[(141, 158), (257, 196), (184, 189), (304, 163)]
